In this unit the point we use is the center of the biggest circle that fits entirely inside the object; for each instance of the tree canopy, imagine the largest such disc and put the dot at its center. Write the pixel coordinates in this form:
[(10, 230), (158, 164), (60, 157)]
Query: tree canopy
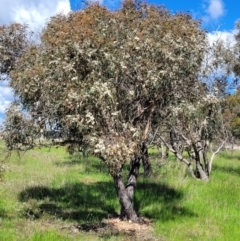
[(105, 74)]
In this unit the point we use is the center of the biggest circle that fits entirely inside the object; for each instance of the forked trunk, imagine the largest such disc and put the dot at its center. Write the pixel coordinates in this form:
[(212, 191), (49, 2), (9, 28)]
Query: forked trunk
[(200, 170), (127, 210), (126, 193)]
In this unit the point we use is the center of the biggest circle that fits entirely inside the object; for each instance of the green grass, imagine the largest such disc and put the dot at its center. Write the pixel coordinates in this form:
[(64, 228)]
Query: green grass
[(47, 195)]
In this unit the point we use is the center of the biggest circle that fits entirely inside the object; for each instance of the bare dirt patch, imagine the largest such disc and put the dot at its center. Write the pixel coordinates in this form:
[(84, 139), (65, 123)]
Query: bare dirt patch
[(128, 226), (115, 227)]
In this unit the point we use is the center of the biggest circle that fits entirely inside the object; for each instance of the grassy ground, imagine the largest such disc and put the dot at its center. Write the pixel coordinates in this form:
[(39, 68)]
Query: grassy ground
[(48, 195)]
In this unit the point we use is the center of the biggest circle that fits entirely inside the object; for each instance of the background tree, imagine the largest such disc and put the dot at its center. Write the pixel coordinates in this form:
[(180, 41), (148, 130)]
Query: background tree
[(232, 113), (14, 39), (232, 104), (105, 79), (196, 128), (198, 122)]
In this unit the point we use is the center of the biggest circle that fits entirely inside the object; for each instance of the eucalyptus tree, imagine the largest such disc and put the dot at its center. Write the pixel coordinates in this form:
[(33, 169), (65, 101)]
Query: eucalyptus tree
[(105, 79), (196, 128), (198, 123), (232, 101), (14, 39)]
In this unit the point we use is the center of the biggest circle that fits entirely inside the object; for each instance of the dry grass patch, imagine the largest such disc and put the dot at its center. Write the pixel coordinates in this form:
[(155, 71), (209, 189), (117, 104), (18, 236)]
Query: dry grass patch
[(115, 227)]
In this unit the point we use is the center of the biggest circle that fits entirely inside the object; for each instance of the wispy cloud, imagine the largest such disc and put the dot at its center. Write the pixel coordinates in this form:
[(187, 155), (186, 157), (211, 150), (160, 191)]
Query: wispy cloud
[(215, 9)]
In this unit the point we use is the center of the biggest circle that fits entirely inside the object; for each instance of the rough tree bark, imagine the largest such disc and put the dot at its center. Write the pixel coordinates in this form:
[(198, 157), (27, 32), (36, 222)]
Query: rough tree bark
[(126, 193)]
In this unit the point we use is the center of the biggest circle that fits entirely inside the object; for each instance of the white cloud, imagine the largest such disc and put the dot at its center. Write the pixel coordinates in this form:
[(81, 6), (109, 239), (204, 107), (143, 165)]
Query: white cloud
[(32, 12), (226, 36), (215, 9), (6, 96)]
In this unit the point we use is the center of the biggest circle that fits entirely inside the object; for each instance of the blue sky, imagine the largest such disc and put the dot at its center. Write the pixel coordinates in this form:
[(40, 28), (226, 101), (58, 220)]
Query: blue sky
[(218, 18)]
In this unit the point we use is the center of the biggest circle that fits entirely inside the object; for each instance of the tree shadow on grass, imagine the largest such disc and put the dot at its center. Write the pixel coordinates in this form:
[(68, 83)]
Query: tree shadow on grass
[(90, 203), (79, 201), (160, 202)]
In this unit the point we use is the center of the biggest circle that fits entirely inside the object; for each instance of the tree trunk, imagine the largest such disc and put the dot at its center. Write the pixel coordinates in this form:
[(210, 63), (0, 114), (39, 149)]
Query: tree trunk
[(162, 150), (125, 196), (179, 156), (201, 173), (206, 162), (126, 193), (145, 160)]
